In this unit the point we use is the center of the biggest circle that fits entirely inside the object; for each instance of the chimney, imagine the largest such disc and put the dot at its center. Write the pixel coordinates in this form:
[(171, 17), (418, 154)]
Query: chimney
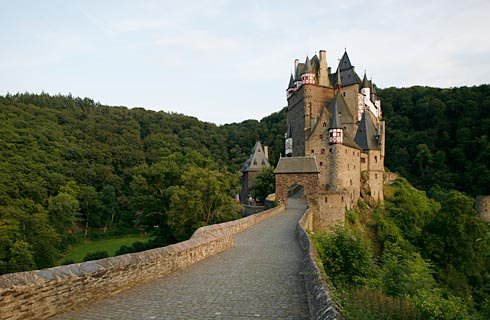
[(323, 79), (296, 62), (266, 152)]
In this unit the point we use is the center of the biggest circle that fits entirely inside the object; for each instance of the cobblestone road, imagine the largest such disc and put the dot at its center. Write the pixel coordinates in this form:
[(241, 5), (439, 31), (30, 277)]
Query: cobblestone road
[(259, 278)]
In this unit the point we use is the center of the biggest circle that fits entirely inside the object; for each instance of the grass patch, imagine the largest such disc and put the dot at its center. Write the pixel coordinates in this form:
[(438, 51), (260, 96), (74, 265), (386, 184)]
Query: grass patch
[(78, 252)]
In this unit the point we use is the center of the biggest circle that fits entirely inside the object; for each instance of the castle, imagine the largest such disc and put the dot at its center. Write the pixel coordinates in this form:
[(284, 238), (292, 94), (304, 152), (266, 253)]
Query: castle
[(335, 139)]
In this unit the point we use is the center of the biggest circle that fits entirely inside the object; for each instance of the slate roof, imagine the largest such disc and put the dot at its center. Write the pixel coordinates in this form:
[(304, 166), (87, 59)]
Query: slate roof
[(366, 133), (257, 159), (308, 68), (291, 82), (347, 77), (336, 114), (299, 71), (296, 165), (342, 108), (365, 82), (344, 63)]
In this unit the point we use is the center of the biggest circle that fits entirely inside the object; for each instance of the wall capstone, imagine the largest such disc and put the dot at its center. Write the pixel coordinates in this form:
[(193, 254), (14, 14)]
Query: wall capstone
[(321, 305), (40, 294)]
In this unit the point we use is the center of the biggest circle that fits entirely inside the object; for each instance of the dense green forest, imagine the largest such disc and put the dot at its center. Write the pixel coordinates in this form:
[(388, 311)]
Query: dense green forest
[(413, 258), (439, 138), (71, 167), (74, 168)]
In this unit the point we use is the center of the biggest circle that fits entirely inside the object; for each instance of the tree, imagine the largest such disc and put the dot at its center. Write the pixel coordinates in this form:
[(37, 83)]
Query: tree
[(204, 197), (265, 184)]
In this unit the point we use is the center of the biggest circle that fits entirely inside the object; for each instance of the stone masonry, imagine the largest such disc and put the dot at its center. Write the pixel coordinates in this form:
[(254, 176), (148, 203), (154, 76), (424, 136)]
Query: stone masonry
[(43, 293)]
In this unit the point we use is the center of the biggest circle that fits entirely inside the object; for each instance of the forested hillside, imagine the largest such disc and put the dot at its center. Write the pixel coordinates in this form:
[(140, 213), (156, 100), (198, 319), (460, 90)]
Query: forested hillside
[(439, 137), (71, 167)]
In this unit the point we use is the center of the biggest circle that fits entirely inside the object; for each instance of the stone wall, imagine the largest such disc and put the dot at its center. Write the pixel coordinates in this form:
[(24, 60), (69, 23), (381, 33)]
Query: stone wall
[(321, 305), (345, 171), (43, 293), (309, 181), (329, 209), (483, 207)]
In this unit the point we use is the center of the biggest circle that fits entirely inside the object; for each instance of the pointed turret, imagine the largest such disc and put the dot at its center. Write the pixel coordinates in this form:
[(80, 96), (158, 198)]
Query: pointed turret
[(345, 62), (308, 68), (338, 82), (335, 130), (308, 77), (365, 82), (291, 82), (291, 88), (374, 96)]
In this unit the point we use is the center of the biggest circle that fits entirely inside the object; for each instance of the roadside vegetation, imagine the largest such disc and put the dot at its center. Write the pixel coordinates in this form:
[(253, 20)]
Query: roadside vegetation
[(415, 258)]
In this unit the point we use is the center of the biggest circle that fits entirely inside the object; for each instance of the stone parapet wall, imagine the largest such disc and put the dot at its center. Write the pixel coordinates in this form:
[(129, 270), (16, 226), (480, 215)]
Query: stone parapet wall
[(41, 294), (321, 305)]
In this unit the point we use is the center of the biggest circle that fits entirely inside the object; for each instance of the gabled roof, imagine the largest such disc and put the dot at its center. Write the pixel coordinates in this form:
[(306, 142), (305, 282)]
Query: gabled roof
[(257, 160), (296, 165), (366, 133)]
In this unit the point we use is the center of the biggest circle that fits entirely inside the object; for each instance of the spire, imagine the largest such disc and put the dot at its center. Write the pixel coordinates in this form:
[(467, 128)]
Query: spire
[(335, 123), (291, 82), (338, 85), (335, 131), (373, 88), (308, 68), (365, 82), (345, 62)]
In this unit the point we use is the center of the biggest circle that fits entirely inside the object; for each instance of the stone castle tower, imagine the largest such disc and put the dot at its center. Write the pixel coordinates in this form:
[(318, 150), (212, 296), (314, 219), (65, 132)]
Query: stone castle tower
[(336, 118)]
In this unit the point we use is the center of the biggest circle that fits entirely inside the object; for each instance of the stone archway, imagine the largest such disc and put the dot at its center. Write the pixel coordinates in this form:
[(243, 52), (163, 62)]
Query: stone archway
[(296, 170)]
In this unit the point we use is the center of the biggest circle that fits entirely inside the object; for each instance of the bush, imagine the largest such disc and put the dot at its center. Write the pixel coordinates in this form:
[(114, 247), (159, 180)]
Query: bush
[(346, 256), (96, 255)]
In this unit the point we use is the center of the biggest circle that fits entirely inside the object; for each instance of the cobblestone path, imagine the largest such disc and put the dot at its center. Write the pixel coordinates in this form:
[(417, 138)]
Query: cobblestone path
[(259, 278)]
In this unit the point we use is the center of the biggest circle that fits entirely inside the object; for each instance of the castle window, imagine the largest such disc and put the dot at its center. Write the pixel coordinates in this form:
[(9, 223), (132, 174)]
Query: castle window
[(321, 163), (342, 198), (322, 151), (363, 160), (353, 153), (346, 151), (344, 94), (350, 181), (375, 159), (312, 151), (321, 136), (375, 176), (330, 150), (348, 165), (324, 124), (255, 162), (326, 199)]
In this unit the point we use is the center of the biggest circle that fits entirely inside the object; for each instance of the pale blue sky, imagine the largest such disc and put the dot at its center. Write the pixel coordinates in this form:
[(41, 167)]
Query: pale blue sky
[(227, 61)]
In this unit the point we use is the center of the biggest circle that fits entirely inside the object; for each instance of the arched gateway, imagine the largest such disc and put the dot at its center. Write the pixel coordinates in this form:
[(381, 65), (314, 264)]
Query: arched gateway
[(296, 170)]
